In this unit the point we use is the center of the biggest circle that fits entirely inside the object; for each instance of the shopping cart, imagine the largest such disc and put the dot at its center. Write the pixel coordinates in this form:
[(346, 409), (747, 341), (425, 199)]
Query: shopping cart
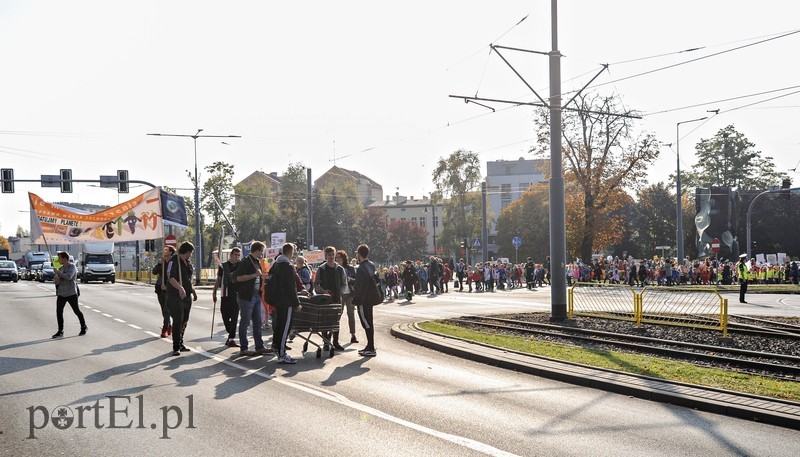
[(318, 316)]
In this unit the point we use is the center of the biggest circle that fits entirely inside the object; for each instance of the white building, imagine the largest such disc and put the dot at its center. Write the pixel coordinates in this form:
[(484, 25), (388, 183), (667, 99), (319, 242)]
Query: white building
[(418, 211)]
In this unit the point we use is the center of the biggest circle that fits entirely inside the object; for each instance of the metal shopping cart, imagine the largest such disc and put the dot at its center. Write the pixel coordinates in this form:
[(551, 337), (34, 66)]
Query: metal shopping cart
[(318, 316)]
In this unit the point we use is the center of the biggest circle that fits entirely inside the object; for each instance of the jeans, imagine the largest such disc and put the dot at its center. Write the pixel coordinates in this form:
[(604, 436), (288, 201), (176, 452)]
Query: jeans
[(73, 303), (250, 311), (179, 310)]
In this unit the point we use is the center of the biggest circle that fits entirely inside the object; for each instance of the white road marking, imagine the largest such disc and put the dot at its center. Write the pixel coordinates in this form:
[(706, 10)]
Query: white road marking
[(119, 320), (134, 326), (342, 400), (155, 335), (97, 310), (107, 315)]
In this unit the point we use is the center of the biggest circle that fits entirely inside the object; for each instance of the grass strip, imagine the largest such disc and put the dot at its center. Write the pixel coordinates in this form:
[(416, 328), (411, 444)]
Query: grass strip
[(655, 367)]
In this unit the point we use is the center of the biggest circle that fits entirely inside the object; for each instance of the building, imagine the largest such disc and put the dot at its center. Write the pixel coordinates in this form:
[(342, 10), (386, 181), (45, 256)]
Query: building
[(418, 211), (368, 190), (506, 180)]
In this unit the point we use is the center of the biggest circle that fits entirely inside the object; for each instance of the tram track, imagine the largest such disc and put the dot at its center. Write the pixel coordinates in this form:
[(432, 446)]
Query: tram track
[(776, 365)]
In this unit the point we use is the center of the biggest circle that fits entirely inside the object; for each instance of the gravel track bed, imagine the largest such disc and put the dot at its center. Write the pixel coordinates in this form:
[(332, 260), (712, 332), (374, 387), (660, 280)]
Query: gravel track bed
[(783, 346)]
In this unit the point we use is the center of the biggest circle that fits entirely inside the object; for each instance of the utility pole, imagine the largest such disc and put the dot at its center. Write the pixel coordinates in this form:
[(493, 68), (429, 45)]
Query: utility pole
[(198, 240)]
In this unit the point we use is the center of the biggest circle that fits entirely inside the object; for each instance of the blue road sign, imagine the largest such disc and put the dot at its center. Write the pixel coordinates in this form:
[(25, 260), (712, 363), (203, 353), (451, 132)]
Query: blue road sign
[(516, 241), (476, 242)]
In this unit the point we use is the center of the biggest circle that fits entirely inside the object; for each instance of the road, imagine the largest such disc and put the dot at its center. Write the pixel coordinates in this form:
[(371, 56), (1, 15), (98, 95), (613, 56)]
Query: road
[(407, 401)]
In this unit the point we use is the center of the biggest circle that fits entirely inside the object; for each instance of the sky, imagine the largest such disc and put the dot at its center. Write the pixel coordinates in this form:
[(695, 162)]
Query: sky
[(366, 84)]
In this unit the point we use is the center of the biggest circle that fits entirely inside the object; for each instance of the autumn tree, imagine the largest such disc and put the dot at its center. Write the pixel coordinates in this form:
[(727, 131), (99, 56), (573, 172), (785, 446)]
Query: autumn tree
[(372, 228), (457, 178), (406, 241), (604, 155), (528, 218)]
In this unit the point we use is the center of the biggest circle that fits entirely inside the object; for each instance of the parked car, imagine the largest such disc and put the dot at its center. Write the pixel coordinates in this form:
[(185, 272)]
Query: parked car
[(33, 272), (8, 271), (47, 273)]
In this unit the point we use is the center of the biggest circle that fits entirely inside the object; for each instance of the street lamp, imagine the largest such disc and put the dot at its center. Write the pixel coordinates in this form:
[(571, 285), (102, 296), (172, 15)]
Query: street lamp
[(679, 232), (433, 222), (198, 244)]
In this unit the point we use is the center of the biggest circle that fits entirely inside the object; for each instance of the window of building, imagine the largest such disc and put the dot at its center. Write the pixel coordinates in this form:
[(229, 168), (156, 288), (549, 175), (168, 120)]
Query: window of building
[(436, 221), (422, 222), (414, 220), (392, 219), (505, 195)]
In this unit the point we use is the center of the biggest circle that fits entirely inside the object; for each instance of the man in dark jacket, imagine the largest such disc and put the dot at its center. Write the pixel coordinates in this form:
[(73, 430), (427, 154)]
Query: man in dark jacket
[(229, 306), (282, 276), (160, 270), (179, 301), (364, 297)]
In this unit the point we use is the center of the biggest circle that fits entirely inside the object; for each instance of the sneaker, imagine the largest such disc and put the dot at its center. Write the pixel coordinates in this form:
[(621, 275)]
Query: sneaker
[(164, 332), (265, 350), (232, 344), (176, 352), (184, 348), (353, 339), (338, 347), (247, 353), (169, 330), (367, 352), (58, 334), (83, 330), (285, 359)]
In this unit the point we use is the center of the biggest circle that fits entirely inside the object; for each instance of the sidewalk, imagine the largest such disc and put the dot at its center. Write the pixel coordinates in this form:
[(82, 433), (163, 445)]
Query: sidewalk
[(744, 406)]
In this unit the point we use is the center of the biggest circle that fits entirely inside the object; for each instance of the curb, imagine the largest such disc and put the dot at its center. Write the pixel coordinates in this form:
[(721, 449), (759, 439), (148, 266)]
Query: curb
[(734, 404)]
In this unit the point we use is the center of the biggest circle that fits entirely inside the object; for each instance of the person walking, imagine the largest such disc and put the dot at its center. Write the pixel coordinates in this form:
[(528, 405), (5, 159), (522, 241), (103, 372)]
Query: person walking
[(331, 279), (229, 306), (283, 293), (365, 297), (742, 271), (248, 277), (67, 292), (179, 274), (160, 270)]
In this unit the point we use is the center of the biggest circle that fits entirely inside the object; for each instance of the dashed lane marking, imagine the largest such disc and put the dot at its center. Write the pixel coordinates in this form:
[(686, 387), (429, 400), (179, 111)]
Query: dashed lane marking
[(134, 326), (119, 320), (107, 315)]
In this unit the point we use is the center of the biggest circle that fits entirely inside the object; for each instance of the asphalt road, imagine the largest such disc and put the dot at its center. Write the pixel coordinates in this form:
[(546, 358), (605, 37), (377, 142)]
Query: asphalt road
[(407, 401)]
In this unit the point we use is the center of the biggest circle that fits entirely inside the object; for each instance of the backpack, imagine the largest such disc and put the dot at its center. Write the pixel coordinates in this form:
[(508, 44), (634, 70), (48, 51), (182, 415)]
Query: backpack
[(271, 289)]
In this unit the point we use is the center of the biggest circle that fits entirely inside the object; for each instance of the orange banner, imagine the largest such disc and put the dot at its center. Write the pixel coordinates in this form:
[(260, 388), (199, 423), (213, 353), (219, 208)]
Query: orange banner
[(136, 219)]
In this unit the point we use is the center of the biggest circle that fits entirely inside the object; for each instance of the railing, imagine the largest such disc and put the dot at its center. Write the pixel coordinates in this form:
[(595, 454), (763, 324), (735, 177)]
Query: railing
[(698, 307)]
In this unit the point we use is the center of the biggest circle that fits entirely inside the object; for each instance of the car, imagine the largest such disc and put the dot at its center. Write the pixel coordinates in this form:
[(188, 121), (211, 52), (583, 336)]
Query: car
[(33, 272), (8, 271), (47, 273)]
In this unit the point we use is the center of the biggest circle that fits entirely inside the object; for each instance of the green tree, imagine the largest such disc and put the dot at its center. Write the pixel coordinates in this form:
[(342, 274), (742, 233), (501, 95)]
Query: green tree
[(256, 211), (293, 201), (729, 159), (602, 152), (216, 197), (457, 178), (528, 218), (407, 241), (372, 228), (340, 207)]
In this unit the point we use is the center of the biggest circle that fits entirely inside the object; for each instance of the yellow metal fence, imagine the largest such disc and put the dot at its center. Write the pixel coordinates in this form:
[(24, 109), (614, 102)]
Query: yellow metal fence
[(694, 307)]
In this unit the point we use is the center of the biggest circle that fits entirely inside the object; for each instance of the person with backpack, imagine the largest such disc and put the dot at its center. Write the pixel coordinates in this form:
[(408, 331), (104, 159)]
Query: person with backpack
[(160, 270), (281, 292), (366, 296), (229, 307)]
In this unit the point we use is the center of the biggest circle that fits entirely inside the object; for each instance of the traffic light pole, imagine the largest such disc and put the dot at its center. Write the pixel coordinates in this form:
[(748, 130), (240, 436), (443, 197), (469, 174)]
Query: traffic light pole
[(61, 181), (750, 210)]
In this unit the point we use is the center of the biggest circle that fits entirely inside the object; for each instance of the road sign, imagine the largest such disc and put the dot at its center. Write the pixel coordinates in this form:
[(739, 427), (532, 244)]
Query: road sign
[(51, 180), (715, 245), (170, 240), (516, 241), (476, 242)]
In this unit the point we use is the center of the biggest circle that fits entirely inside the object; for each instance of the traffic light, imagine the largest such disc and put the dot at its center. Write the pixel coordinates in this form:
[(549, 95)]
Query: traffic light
[(7, 175), (463, 243), (66, 181), (785, 188), (301, 244), (122, 186), (149, 245)]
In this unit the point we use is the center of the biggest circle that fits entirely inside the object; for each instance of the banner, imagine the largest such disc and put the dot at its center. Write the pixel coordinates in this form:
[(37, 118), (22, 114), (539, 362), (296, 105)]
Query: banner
[(278, 239), (136, 219), (173, 208)]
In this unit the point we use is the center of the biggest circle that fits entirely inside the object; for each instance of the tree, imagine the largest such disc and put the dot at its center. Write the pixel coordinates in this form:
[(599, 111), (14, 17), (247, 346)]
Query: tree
[(216, 196), (372, 228), (528, 218), (457, 179), (293, 202), (4, 244), (256, 211), (407, 241), (343, 209), (603, 155), (729, 159)]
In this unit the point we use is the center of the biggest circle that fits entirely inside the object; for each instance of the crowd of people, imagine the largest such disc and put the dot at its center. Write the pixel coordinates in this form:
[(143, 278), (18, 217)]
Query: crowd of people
[(665, 272)]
